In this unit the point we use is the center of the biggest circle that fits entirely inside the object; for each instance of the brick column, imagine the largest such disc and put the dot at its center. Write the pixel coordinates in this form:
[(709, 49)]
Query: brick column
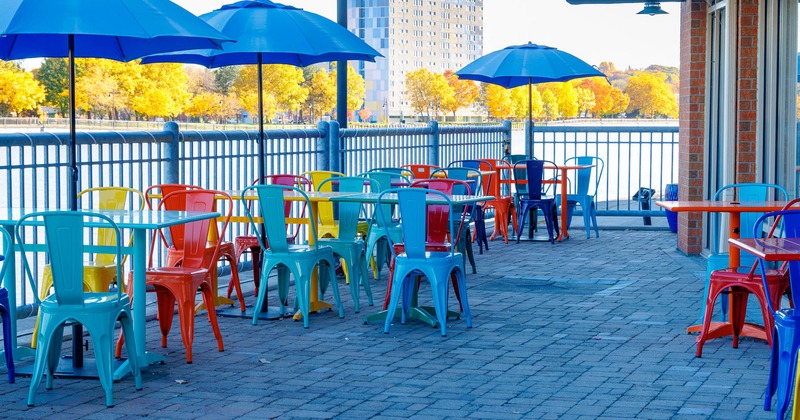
[(747, 91), (692, 120)]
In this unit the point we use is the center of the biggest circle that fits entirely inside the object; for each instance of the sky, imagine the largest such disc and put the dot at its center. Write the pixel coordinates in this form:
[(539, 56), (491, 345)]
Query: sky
[(595, 34)]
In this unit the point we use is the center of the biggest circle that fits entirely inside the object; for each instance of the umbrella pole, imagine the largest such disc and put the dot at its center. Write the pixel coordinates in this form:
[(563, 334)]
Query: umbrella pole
[(72, 188), (529, 131), (262, 150)]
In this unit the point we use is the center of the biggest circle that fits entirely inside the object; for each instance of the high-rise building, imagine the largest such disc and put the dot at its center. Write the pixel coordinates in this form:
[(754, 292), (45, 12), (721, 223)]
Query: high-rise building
[(411, 34)]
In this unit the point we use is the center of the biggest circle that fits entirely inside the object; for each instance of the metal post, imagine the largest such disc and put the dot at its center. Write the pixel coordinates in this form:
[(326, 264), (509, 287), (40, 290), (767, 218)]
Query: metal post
[(341, 71), (507, 138), (433, 143), (332, 143), (171, 167), (323, 156)]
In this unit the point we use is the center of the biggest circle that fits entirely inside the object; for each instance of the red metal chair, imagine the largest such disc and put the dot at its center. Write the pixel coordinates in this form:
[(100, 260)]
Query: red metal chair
[(420, 170), (248, 243), (742, 282), (180, 283)]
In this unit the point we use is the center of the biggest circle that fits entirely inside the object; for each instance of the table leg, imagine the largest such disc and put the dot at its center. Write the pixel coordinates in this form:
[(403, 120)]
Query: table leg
[(139, 310), (564, 234), (315, 304)]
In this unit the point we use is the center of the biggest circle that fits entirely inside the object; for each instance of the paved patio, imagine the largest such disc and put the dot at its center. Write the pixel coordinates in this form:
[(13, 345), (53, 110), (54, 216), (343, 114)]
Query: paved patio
[(582, 329)]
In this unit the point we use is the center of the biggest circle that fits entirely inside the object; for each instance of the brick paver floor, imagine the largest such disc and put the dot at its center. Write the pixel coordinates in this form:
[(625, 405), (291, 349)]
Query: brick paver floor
[(588, 328)]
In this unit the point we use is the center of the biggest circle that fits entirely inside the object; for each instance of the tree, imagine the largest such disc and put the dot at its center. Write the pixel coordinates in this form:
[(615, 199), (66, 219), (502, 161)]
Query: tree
[(567, 99), (95, 90), (355, 88), (498, 101), (19, 91), (52, 75), (650, 96), (282, 89), (321, 93), (160, 91), (550, 104), (585, 100), (519, 98), (464, 92), (608, 100), (428, 92), (224, 78)]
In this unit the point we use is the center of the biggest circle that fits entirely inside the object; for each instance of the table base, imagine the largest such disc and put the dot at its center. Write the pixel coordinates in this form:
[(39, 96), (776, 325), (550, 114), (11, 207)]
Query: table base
[(65, 368), (420, 313), (268, 313), (147, 360), (723, 329)]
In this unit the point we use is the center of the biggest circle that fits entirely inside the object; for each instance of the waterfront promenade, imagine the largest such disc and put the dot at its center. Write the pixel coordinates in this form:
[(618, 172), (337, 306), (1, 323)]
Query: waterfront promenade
[(588, 328)]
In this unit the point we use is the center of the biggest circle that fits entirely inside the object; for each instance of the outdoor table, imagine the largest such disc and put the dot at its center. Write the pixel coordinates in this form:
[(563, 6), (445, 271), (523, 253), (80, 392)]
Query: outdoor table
[(564, 169), (734, 209), (137, 220), (415, 312)]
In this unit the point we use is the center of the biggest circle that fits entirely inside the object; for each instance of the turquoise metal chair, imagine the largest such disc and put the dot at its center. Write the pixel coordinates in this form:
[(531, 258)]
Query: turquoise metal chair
[(300, 260), (348, 246), (588, 181), (5, 309), (65, 233), (718, 260), (436, 266), (786, 330), (376, 235)]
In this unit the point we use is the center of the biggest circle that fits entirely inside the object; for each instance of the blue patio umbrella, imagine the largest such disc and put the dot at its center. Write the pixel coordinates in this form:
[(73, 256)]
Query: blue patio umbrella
[(527, 64), (272, 33), (121, 30)]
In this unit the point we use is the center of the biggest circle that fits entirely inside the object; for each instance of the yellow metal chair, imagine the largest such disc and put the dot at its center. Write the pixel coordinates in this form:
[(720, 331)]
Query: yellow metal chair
[(327, 226), (99, 274)]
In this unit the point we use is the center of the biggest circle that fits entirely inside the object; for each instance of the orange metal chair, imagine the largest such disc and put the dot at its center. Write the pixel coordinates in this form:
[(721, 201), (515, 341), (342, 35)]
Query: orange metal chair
[(249, 243), (175, 246), (180, 284), (420, 170)]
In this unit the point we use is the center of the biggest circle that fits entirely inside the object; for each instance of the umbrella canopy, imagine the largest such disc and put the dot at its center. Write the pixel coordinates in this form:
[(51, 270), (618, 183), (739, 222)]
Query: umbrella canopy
[(272, 33), (121, 30), (527, 64)]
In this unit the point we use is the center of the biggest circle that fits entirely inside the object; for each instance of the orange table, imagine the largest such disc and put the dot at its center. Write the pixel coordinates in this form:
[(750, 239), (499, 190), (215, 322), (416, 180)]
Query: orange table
[(564, 169), (734, 209)]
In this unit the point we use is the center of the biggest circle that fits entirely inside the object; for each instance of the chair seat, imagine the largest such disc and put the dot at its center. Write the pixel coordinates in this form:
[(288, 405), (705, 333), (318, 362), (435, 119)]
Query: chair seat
[(100, 302), (175, 272)]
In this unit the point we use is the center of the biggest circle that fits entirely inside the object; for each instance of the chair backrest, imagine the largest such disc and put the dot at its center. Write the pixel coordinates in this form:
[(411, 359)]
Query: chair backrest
[(110, 198), (193, 237), (349, 212), (326, 215), (532, 182), (487, 182), (589, 178), (283, 179), (6, 249), (786, 224), (271, 205), (440, 221), (512, 159), (397, 170), (420, 170), (67, 237), (753, 191), (413, 208), (162, 190), (471, 176)]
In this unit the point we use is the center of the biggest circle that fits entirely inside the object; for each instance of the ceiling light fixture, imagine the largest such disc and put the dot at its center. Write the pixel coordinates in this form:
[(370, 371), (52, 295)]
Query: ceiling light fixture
[(652, 8)]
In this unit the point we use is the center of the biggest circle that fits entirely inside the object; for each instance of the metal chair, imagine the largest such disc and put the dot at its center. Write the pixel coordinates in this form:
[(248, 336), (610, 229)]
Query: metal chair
[(5, 308), (377, 244), (65, 233), (531, 198), (436, 266), (327, 224), (420, 170), (588, 181), (300, 260), (475, 214)]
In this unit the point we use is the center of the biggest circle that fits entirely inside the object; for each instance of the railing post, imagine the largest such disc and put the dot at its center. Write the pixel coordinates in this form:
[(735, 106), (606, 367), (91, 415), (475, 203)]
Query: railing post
[(325, 144), (506, 138), (170, 169), (433, 143)]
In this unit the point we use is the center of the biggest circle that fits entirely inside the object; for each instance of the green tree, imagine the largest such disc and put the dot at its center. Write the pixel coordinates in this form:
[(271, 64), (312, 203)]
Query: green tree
[(224, 78), (52, 75), (650, 96)]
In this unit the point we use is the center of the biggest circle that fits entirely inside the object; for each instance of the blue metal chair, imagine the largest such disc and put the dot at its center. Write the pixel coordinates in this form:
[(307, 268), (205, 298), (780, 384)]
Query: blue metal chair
[(785, 337), (65, 234), (300, 260), (718, 260), (532, 197), (5, 309), (588, 181), (436, 266), (347, 246)]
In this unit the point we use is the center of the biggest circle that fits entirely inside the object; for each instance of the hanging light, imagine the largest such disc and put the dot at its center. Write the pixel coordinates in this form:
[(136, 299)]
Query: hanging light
[(652, 8)]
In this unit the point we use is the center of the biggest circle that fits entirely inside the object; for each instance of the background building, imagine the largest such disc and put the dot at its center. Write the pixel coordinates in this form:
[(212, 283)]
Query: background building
[(413, 34)]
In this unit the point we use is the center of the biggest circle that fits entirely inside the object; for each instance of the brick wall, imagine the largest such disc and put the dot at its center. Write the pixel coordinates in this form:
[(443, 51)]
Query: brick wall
[(692, 117)]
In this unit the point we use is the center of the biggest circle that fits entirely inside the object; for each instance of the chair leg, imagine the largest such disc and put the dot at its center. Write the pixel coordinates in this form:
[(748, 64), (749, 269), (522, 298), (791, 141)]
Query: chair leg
[(127, 326), (234, 281), (7, 342), (701, 339), (166, 306), (208, 298), (772, 380)]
